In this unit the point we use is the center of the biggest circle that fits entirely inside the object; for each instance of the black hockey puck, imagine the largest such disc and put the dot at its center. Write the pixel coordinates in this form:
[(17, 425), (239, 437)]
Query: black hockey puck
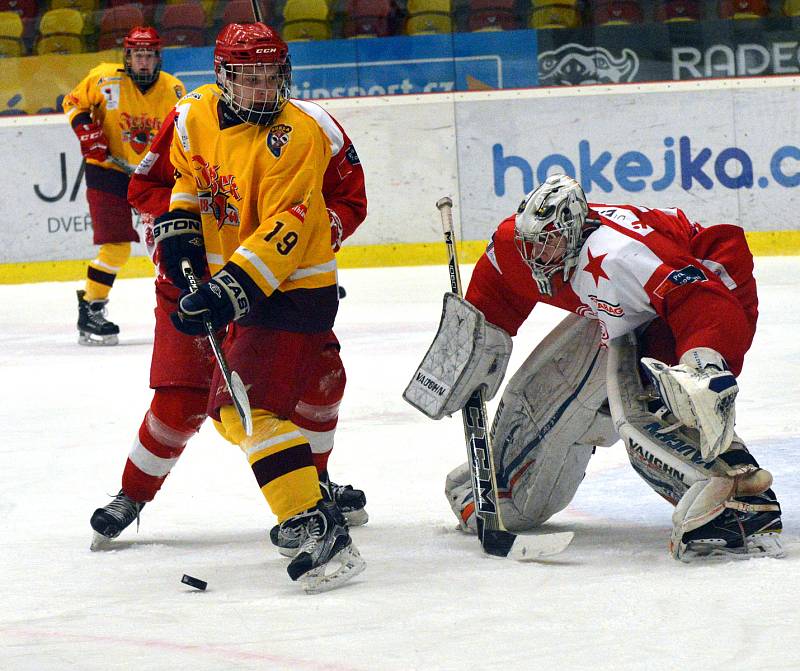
[(194, 582), (342, 292)]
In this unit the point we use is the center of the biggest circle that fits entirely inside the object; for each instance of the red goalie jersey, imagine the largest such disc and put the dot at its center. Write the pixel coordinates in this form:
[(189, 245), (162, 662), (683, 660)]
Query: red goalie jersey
[(637, 265), (343, 184)]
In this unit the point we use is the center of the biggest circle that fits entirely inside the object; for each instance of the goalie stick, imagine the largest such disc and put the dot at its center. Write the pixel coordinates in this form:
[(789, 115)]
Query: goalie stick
[(495, 539), (232, 380)]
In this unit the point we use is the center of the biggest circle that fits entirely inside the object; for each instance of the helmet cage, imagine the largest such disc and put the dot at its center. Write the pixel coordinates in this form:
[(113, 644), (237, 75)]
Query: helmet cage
[(142, 79), (548, 230), (262, 100), (142, 39)]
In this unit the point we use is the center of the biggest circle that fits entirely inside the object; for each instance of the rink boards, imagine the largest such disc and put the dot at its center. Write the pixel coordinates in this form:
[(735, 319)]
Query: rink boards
[(722, 150)]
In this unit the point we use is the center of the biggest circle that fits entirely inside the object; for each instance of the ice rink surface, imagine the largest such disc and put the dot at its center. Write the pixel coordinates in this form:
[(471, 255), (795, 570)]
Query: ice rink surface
[(429, 599)]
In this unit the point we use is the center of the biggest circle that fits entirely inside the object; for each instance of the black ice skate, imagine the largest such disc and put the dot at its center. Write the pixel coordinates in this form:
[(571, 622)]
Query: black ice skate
[(750, 528), (109, 521), (93, 327), (327, 557), (352, 502), (288, 537)]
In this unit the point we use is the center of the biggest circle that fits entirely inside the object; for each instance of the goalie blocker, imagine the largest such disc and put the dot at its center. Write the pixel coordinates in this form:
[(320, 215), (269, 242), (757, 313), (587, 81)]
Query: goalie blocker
[(466, 354), (571, 396)]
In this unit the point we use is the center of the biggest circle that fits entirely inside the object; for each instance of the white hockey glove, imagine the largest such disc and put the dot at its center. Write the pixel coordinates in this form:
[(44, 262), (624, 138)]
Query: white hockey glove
[(467, 353), (700, 391)]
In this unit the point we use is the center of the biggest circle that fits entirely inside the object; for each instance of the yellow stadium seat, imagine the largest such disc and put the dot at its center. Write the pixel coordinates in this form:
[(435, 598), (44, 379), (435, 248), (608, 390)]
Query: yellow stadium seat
[(305, 10), (11, 25), (11, 29), (60, 44), (426, 6), (61, 31), (306, 20), (429, 17), (791, 8), (428, 24), (85, 6), (298, 31), (561, 15)]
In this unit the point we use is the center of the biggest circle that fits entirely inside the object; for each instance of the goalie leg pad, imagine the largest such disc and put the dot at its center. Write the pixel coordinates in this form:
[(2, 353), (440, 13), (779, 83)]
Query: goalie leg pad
[(548, 422), (466, 353), (549, 419)]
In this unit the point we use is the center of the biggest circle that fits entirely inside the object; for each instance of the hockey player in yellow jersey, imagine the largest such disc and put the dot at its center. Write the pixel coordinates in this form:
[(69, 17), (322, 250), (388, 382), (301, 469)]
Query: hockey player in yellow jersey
[(115, 111), (249, 167)]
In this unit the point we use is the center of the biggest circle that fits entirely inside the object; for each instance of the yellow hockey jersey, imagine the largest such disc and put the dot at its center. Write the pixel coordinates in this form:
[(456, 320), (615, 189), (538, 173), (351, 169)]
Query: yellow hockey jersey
[(130, 118), (258, 191)]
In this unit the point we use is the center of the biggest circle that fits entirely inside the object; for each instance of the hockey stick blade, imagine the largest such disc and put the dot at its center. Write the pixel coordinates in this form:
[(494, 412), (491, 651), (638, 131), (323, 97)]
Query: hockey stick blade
[(534, 548), (496, 542), (242, 402)]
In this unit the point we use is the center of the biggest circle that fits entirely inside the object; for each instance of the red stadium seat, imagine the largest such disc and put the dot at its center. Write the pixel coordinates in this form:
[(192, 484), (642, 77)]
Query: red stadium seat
[(617, 13), (743, 9), (27, 9), (241, 11), (183, 25), (115, 23), (679, 11), (148, 7), (369, 18), (493, 15)]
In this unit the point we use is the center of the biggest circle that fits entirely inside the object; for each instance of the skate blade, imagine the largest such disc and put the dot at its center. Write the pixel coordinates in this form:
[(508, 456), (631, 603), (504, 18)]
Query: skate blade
[(291, 553), (93, 340), (343, 566), (760, 545), (100, 542), (356, 518), (534, 548)]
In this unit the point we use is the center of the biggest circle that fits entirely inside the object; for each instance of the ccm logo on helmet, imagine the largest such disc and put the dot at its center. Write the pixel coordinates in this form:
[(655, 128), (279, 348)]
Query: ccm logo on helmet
[(270, 50)]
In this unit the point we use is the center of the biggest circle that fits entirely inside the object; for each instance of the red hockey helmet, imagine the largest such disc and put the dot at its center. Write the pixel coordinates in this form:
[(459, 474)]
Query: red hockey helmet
[(142, 39), (254, 71)]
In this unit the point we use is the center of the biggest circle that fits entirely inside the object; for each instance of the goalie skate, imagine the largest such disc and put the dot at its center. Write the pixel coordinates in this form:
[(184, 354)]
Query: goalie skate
[(93, 327), (750, 528), (327, 557)]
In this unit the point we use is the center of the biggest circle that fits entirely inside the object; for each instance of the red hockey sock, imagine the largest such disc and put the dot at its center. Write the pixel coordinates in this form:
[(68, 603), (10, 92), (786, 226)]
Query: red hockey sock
[(175, 415)]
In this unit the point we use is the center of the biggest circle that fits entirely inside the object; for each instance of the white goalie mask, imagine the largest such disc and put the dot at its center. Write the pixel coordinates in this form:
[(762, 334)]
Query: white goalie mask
[(548, 229)]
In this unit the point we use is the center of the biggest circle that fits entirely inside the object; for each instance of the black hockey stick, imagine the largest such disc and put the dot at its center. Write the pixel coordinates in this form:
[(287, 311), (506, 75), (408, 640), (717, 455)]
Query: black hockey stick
[(495, 539), (257, 13), (232, 380)]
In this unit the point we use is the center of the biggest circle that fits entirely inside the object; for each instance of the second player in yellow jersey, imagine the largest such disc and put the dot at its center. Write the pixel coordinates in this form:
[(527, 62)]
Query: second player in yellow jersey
[(115, 111)]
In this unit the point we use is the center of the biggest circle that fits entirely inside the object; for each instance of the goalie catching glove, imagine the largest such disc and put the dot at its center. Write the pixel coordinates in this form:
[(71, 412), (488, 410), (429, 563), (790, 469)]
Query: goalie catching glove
[(467, 353), (178, 235), (219, 301), (700, 391)]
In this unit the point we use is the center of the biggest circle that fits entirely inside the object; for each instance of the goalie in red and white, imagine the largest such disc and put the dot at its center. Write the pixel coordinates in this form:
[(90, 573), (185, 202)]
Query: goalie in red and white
[(182, 365), (664, 312)]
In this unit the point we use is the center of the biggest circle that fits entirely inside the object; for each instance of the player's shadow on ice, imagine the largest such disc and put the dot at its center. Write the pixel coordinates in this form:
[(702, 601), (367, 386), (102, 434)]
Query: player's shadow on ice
[(199, 541)]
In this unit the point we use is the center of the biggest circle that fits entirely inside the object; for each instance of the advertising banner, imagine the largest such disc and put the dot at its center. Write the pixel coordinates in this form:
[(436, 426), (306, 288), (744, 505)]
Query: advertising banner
[(669, 51), (36, 84), (713, 152), (716, 153), (391, 65)]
